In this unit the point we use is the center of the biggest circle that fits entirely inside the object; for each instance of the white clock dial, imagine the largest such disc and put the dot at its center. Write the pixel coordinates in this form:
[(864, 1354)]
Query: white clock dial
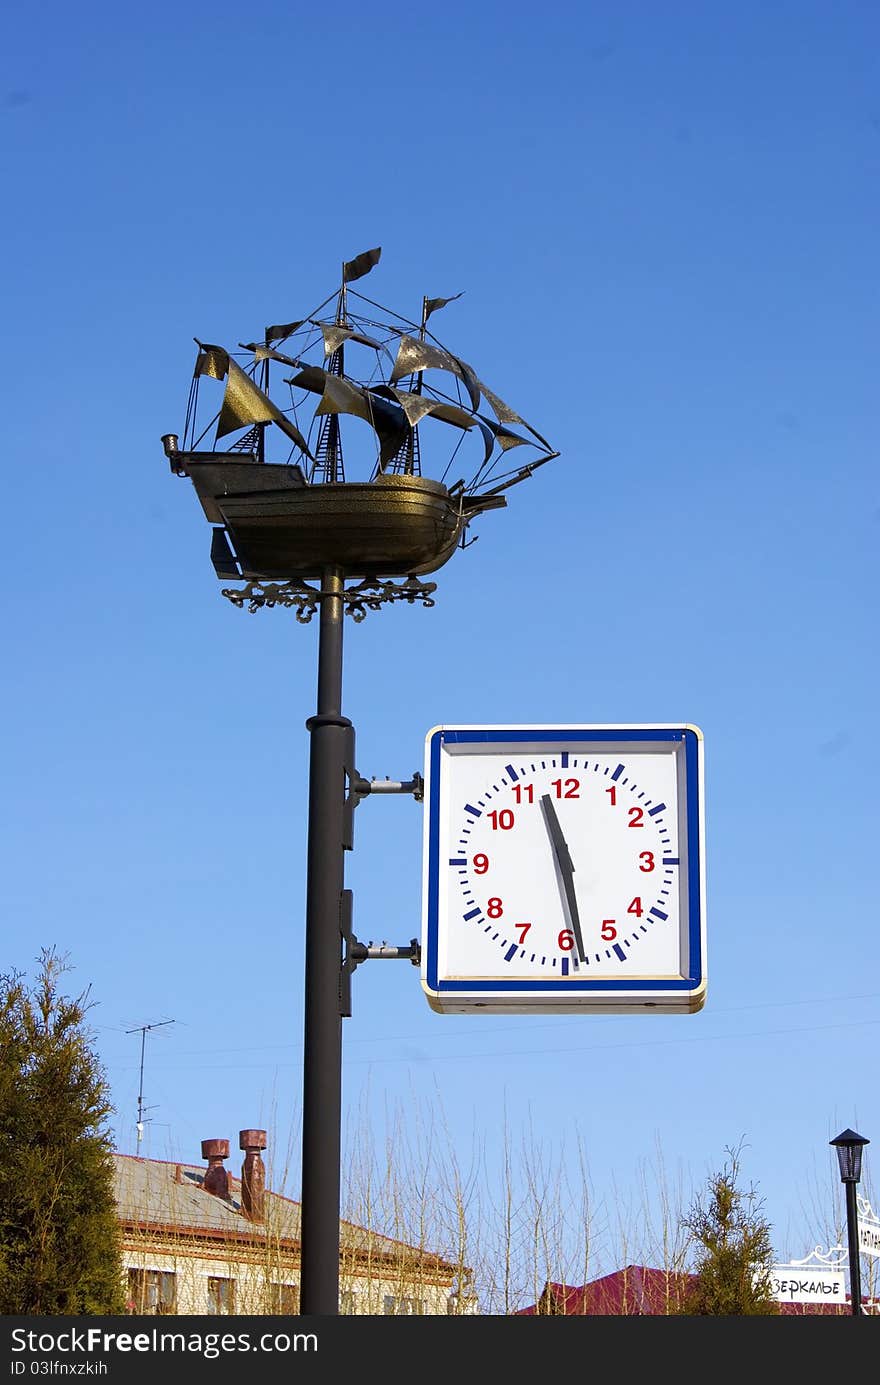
[(564, 861)]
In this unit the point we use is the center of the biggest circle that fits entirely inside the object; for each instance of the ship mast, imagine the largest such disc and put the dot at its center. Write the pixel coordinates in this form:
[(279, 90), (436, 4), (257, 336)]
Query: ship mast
[(329, 465), (261, 435), (408, 460)]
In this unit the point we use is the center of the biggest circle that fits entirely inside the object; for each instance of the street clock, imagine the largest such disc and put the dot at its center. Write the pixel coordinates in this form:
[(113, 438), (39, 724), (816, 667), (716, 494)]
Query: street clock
[(564, 869)]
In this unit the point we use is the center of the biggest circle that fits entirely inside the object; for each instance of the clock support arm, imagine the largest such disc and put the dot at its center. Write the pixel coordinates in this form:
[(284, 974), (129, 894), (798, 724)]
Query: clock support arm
[(359, 788), (416, 786), (357, 952)]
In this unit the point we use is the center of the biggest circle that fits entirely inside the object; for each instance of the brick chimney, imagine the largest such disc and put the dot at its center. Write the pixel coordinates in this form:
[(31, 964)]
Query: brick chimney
[(253, 1174), (216, 1178)]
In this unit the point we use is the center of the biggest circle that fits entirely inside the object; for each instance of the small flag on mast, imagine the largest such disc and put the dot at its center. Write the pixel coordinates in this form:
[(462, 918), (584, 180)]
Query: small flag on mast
[(360, 265), (432, 304), (280, 331)]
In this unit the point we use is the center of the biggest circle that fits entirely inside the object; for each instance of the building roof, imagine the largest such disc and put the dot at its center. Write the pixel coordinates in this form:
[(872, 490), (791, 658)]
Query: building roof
[(164, 1196), (158, 1192), (639, 1290), (636, 1290)]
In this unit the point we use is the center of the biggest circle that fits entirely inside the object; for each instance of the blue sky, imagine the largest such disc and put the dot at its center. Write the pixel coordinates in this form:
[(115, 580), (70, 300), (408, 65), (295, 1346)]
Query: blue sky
[(663, 221)]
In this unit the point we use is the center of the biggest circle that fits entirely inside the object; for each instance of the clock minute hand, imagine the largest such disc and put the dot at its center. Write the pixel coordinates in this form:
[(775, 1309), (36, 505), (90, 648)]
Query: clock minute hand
[(566, 870)]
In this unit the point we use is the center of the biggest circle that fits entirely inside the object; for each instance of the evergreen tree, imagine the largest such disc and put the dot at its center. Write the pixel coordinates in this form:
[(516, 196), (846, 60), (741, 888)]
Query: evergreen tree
[(59, 1248), (734, 1252)]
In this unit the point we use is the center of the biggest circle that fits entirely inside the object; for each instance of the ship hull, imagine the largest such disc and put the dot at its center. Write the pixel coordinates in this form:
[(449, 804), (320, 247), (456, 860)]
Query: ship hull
[(280, 528)]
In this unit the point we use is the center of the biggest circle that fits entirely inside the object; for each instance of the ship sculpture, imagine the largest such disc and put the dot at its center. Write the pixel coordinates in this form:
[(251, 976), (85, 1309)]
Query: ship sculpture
[(267, 459)]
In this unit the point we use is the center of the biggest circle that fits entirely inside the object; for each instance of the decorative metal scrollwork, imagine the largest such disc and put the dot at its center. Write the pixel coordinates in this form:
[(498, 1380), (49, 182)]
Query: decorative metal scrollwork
[(364, 596), (834, 1258), (256, 594), (369, 595)]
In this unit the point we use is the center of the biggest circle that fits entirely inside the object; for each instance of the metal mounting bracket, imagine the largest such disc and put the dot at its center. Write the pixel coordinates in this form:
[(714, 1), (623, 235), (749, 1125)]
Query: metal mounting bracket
[(363, 787), (357, 952)]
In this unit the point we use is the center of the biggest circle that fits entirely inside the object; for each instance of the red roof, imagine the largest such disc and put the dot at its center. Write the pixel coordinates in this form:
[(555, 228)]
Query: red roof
[(635, 1290), (639, 1291)]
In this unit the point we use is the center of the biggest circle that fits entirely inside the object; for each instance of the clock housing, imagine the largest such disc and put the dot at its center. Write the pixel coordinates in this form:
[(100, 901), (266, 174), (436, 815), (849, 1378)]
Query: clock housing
[(564, 869)]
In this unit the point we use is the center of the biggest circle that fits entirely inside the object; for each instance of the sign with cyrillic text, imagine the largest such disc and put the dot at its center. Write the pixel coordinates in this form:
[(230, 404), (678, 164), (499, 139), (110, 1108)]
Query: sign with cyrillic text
[(869, 1236), (795, 1284)]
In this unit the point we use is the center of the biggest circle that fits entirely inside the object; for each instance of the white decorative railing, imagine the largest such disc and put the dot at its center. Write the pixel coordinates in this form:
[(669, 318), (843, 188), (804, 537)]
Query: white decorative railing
[(818, 1256), (837, 1257)]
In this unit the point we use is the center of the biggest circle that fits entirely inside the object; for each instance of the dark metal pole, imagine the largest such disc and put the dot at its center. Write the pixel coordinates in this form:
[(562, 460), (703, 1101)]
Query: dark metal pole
[(322, 1053), (852, 1234)]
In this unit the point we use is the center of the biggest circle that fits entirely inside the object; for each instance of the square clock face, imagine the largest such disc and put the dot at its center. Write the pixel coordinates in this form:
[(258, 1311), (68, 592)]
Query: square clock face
[(563, 869)]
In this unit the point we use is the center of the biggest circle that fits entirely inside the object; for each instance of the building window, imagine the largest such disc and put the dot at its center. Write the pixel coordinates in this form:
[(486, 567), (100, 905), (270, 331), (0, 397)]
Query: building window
[(284, 1298), (152, 1291), (348, 1302), (405, 1307), (221, 1295)]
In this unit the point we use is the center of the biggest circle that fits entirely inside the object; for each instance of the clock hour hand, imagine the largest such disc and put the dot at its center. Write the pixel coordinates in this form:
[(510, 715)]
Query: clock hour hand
[(566, 870)]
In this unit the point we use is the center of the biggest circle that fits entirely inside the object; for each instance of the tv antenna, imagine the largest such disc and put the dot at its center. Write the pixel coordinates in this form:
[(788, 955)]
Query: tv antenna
[(143, 1030)]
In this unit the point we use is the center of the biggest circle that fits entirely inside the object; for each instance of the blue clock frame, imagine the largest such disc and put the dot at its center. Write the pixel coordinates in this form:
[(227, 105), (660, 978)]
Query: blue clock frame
[(651, 994)]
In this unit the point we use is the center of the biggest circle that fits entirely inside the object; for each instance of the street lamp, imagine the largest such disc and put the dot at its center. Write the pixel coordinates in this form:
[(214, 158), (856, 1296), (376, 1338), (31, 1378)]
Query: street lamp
[(849, 1148)]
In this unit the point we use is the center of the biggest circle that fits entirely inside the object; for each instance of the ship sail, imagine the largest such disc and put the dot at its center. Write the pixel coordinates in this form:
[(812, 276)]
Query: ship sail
[(334, 337), (505, 414), (244, 403), (340, 396), (414, 356), (419, 406), (393, 397)]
